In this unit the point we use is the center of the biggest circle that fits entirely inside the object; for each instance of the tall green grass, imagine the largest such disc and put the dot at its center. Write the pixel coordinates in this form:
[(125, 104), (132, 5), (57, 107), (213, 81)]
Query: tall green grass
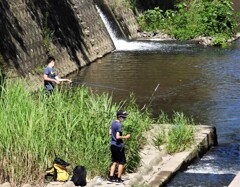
[(178, 136), (71, 124)]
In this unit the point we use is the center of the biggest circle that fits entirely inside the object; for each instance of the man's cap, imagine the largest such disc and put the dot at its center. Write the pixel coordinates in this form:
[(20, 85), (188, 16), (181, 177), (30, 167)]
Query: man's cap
[(122, 113)]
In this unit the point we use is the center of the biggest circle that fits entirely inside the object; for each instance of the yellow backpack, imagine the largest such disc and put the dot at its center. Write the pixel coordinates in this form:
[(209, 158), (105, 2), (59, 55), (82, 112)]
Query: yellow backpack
[(59, 170)]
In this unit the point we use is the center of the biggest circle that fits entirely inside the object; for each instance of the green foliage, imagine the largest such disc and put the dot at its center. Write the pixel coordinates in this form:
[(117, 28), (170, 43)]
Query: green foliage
[(47, 34), (126, 3), (73, 124), (159, 139), (214, 18), (131, 4), (163, 118), (150, 20), (178, 135)]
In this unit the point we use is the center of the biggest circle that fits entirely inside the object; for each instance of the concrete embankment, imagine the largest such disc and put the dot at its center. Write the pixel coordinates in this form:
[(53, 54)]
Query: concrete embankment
[(236, 181), (71, 31), (157, 167)]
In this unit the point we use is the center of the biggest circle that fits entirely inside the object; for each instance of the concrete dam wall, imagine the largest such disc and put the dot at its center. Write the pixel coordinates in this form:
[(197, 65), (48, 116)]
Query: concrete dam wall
[(70, 30)]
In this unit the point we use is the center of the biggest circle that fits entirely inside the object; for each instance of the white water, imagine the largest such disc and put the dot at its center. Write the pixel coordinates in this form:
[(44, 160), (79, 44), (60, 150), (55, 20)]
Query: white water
[(123, 45)]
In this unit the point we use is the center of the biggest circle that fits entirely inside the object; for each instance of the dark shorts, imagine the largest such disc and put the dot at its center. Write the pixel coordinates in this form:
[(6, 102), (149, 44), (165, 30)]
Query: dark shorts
[(48, 92), (118, 154)]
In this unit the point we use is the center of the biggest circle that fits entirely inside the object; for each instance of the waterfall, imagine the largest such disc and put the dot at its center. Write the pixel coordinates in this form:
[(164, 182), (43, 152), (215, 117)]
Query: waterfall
[(124, 45)]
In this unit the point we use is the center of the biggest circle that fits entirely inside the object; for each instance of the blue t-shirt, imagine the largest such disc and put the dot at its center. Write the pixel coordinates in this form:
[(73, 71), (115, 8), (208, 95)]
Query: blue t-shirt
[(116, 127), (49, 85)]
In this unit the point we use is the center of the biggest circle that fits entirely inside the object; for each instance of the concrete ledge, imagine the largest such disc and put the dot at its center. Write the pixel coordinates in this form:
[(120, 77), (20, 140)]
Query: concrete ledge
[(236, 181), (205, 138)]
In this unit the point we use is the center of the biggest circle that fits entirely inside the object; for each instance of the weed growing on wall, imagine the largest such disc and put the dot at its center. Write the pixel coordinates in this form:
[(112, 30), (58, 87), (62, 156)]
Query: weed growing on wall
[(47, 34), (191, 19), (131, 4)]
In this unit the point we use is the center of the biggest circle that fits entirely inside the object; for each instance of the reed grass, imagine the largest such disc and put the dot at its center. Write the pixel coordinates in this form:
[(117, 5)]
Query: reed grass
[(178, 136), (70, 124)]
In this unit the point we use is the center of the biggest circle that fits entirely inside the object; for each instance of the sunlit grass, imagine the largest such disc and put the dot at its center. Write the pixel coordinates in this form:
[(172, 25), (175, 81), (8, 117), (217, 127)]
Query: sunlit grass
[(178, 135), (71, 124)]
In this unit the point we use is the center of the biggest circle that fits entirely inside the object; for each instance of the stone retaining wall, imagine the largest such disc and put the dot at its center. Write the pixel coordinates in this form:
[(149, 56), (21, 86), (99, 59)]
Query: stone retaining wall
[(125, 17), (79, 36)]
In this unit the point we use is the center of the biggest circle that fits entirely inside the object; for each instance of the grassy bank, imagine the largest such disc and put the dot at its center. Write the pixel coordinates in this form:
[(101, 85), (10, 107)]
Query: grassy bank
[(73, 124)]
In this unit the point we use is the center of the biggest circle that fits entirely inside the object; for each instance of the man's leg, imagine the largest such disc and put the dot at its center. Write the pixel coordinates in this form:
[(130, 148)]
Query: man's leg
[(122, 161), (112, 169), (111, 175), (120, 170)]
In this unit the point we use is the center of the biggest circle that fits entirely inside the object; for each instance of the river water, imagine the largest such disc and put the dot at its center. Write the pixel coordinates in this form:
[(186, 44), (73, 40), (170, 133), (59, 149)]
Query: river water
[(202, 82)]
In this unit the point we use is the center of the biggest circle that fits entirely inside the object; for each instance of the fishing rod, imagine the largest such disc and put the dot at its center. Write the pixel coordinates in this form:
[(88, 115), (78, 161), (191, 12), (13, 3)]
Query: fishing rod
[(99, 85), (151, 98), (113, 88)]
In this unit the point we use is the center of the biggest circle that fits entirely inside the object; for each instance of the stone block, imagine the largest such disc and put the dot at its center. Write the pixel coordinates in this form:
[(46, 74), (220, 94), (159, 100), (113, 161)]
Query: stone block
[(27, 185), (156, 160), (6, 184)]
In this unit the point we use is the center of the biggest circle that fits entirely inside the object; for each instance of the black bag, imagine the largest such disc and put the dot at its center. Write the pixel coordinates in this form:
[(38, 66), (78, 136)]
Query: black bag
[(79, 176), (60, 162)]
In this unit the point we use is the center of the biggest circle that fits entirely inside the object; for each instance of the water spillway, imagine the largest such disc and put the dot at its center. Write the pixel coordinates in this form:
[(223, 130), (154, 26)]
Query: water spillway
[(121, 43)]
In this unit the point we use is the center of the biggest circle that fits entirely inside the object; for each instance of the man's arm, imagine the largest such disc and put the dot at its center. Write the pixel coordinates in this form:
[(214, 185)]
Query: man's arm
[(122, 137), (62, 80), (46, 78)]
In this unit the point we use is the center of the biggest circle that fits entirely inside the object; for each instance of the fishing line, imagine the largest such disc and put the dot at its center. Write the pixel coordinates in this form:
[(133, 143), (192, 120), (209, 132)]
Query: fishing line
[(100, 85), (174, 90)]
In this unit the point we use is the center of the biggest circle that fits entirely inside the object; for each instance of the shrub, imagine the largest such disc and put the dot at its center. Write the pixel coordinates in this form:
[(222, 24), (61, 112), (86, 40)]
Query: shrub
[(214, 18), (150, 20)]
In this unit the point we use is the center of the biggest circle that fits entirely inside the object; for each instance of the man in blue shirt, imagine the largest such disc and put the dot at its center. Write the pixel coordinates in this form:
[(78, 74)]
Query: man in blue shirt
[(50, 76), (117, 147)]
